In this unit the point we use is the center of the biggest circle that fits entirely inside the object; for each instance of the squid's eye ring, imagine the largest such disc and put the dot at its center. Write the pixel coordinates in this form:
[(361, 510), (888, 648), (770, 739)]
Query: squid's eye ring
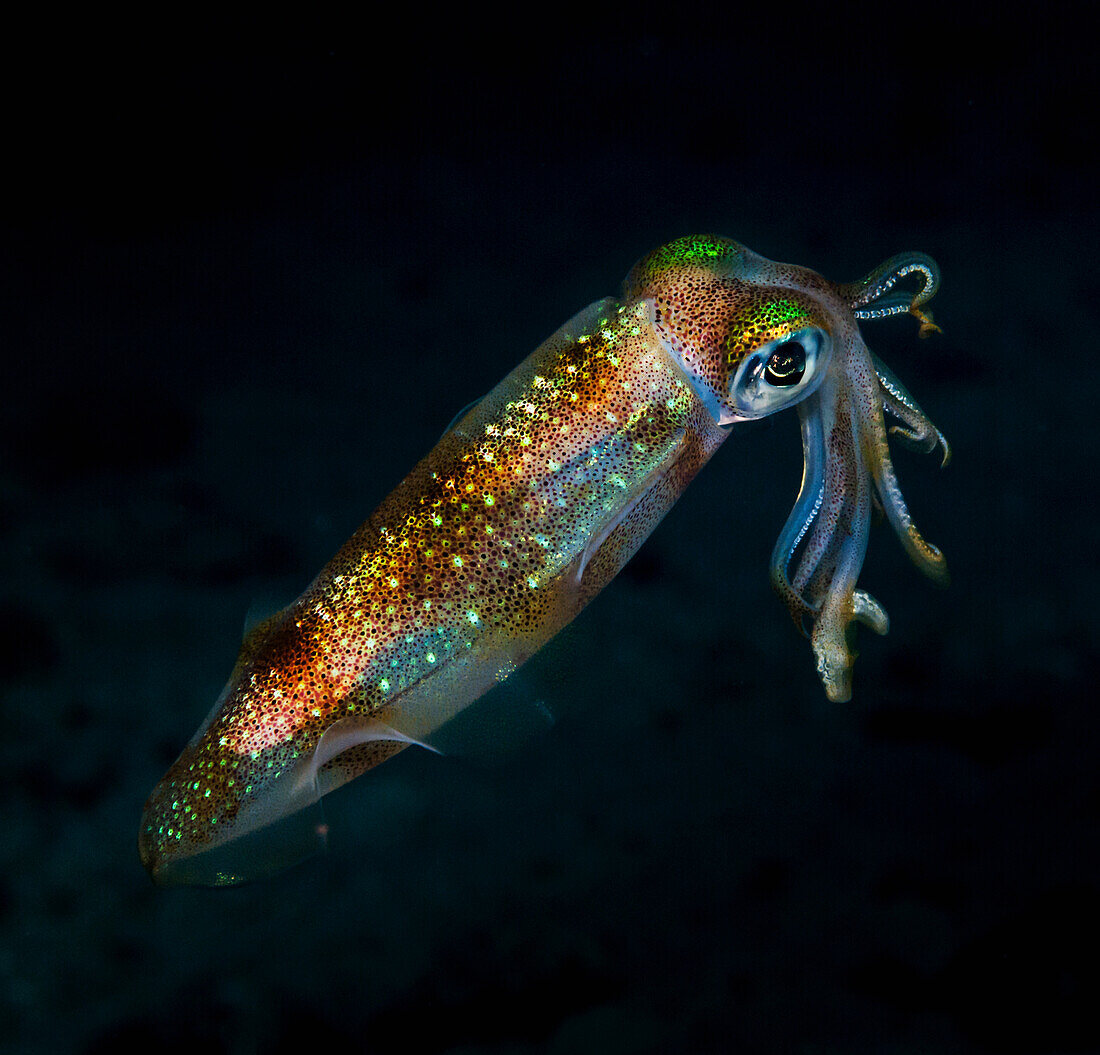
[(780, 373), (786, 366)]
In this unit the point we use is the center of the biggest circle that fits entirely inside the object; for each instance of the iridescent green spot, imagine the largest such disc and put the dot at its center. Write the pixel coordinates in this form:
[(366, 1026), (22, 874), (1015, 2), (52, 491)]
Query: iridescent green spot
[(783, 311), (690, 250), (760, 323)]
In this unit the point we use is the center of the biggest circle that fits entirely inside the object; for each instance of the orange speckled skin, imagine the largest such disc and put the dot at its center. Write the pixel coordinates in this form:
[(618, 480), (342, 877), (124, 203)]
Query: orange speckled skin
[(519, 516)]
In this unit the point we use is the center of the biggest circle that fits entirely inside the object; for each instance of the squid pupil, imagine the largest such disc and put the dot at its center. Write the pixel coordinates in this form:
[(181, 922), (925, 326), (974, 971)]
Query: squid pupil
[(786, 365)]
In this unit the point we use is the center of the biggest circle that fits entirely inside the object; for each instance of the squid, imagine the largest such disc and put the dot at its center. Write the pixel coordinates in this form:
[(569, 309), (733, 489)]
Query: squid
[(527, 507)]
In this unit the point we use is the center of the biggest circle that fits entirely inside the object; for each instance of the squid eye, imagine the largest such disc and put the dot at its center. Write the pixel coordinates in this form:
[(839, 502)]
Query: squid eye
[(780, 373), (786, 365)]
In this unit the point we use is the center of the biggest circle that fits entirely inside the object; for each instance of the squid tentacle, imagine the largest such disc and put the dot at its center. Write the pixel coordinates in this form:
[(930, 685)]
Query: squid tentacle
[(848, 472), (814, 564), (870, 297), (919, 432), (848, 546), (923, 554), (807, 505), (873, 287), (866, 610)]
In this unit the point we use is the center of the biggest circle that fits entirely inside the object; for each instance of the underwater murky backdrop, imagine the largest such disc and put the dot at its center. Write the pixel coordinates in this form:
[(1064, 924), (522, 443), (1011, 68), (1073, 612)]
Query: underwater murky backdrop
[(243, 296)]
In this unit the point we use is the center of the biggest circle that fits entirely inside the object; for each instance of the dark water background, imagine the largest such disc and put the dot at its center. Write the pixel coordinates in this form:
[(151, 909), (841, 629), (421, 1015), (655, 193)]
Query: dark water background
[(244, 292)]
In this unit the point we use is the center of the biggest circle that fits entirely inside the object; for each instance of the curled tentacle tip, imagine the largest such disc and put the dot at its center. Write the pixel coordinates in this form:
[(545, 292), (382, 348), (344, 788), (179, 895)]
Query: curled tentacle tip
[(866, 610), (946, 449), (934, 564), (924, 441), (927, 326)]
